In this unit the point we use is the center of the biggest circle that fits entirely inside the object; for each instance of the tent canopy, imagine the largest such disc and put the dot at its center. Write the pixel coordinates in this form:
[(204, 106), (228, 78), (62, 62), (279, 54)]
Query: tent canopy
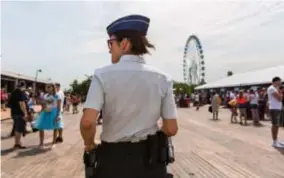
[(22, 77), (262, 76)]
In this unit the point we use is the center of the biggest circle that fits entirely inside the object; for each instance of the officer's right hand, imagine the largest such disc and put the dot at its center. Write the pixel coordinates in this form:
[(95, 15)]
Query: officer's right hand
[(89, 148), (170, 127)]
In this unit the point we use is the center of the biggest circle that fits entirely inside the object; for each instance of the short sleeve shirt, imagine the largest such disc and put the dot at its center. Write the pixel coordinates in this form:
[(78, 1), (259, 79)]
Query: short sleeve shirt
[(51, 99), (16, 97), (274, 103), (196, 97), (253, 98), (133, 97), (232, 96)]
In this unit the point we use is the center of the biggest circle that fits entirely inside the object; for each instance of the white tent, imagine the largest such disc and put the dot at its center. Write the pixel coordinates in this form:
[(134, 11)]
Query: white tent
[(262, 76)]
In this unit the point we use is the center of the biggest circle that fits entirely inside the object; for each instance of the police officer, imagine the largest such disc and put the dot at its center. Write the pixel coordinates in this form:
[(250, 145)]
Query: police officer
[(133, 96)]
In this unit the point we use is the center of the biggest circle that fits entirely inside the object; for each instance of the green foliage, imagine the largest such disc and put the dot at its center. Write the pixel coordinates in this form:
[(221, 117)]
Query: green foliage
[(68, 91), (183, 88), (81, 88)]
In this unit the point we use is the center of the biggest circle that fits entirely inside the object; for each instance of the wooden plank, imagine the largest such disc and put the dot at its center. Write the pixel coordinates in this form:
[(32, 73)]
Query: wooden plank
[(204, 149)]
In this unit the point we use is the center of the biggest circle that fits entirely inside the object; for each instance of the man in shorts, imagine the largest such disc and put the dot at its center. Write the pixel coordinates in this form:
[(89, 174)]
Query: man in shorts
[(19, 113), (275, 97)]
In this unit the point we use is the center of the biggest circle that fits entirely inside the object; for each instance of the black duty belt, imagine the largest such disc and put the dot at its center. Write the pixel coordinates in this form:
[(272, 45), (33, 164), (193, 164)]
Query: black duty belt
[(157, 149), (123, 147)]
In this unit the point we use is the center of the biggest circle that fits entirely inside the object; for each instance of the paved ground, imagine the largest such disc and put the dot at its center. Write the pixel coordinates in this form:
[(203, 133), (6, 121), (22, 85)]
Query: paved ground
[(204, 149)]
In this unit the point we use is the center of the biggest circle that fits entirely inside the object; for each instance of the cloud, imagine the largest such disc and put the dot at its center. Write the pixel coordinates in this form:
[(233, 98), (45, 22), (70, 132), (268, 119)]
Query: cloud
[(235, 35)]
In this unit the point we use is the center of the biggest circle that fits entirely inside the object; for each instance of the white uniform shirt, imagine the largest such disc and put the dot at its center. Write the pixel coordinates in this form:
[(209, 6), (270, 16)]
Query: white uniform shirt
[(274, 103), (133, 96)]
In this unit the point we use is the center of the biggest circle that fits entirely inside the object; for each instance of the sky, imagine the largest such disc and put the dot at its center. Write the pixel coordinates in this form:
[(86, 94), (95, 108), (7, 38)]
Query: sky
[(67, 40)]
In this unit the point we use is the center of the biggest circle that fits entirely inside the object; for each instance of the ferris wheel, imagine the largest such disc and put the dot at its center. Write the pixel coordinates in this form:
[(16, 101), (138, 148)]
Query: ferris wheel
[(193, 62)]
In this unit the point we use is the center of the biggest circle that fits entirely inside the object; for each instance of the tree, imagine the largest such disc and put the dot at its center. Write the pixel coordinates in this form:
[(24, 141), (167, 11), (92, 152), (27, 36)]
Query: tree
[(75, 87), (81, 88), (182, 88)]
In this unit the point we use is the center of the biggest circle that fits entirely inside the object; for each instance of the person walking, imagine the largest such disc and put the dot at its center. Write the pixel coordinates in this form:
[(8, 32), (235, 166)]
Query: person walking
[(215, 103), (49, 118), (133, 95), (61, 97), (275, 97), (197, 100), (75, 103), (261, 104), (19, 113), (253, 101), (242, 105)]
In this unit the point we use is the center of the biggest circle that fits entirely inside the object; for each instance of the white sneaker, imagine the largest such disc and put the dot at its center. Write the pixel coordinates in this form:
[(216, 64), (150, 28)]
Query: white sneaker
[(281, 143), (277, 145)]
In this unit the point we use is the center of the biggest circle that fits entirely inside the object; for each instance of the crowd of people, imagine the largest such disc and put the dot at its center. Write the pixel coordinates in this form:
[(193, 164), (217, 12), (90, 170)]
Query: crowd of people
[(53, 102), (260, 104), (197, 99), (256, 104), (252, 104), (247, 104)]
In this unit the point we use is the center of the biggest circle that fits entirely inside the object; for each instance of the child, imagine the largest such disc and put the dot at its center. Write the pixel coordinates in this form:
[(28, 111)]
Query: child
[(49, 118)]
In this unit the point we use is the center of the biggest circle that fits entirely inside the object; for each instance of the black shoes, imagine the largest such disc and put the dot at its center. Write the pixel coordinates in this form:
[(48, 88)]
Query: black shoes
[(59, 140), (17, 146)]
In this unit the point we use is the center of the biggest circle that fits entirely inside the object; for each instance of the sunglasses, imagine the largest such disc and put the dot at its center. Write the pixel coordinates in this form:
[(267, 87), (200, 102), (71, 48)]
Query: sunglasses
[(110, 42)]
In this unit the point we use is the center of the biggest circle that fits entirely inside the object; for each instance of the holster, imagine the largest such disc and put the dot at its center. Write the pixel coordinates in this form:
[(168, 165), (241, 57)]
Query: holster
[(166, 153), (159, 150), (90, 162)]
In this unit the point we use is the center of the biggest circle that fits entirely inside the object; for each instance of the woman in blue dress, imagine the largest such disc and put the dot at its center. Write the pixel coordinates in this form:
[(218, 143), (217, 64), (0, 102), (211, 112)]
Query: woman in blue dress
[(49, 118)]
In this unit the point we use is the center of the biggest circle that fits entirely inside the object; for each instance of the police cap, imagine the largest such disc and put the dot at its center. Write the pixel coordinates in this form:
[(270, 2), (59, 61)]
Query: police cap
[(131, 22)]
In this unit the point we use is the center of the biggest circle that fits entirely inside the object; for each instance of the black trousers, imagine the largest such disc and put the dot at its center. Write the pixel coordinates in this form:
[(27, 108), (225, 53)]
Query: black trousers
[(127, 160)]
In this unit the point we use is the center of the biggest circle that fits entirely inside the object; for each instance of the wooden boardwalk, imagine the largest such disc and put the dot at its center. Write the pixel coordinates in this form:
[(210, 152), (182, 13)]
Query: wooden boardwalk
[(204, 149)]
